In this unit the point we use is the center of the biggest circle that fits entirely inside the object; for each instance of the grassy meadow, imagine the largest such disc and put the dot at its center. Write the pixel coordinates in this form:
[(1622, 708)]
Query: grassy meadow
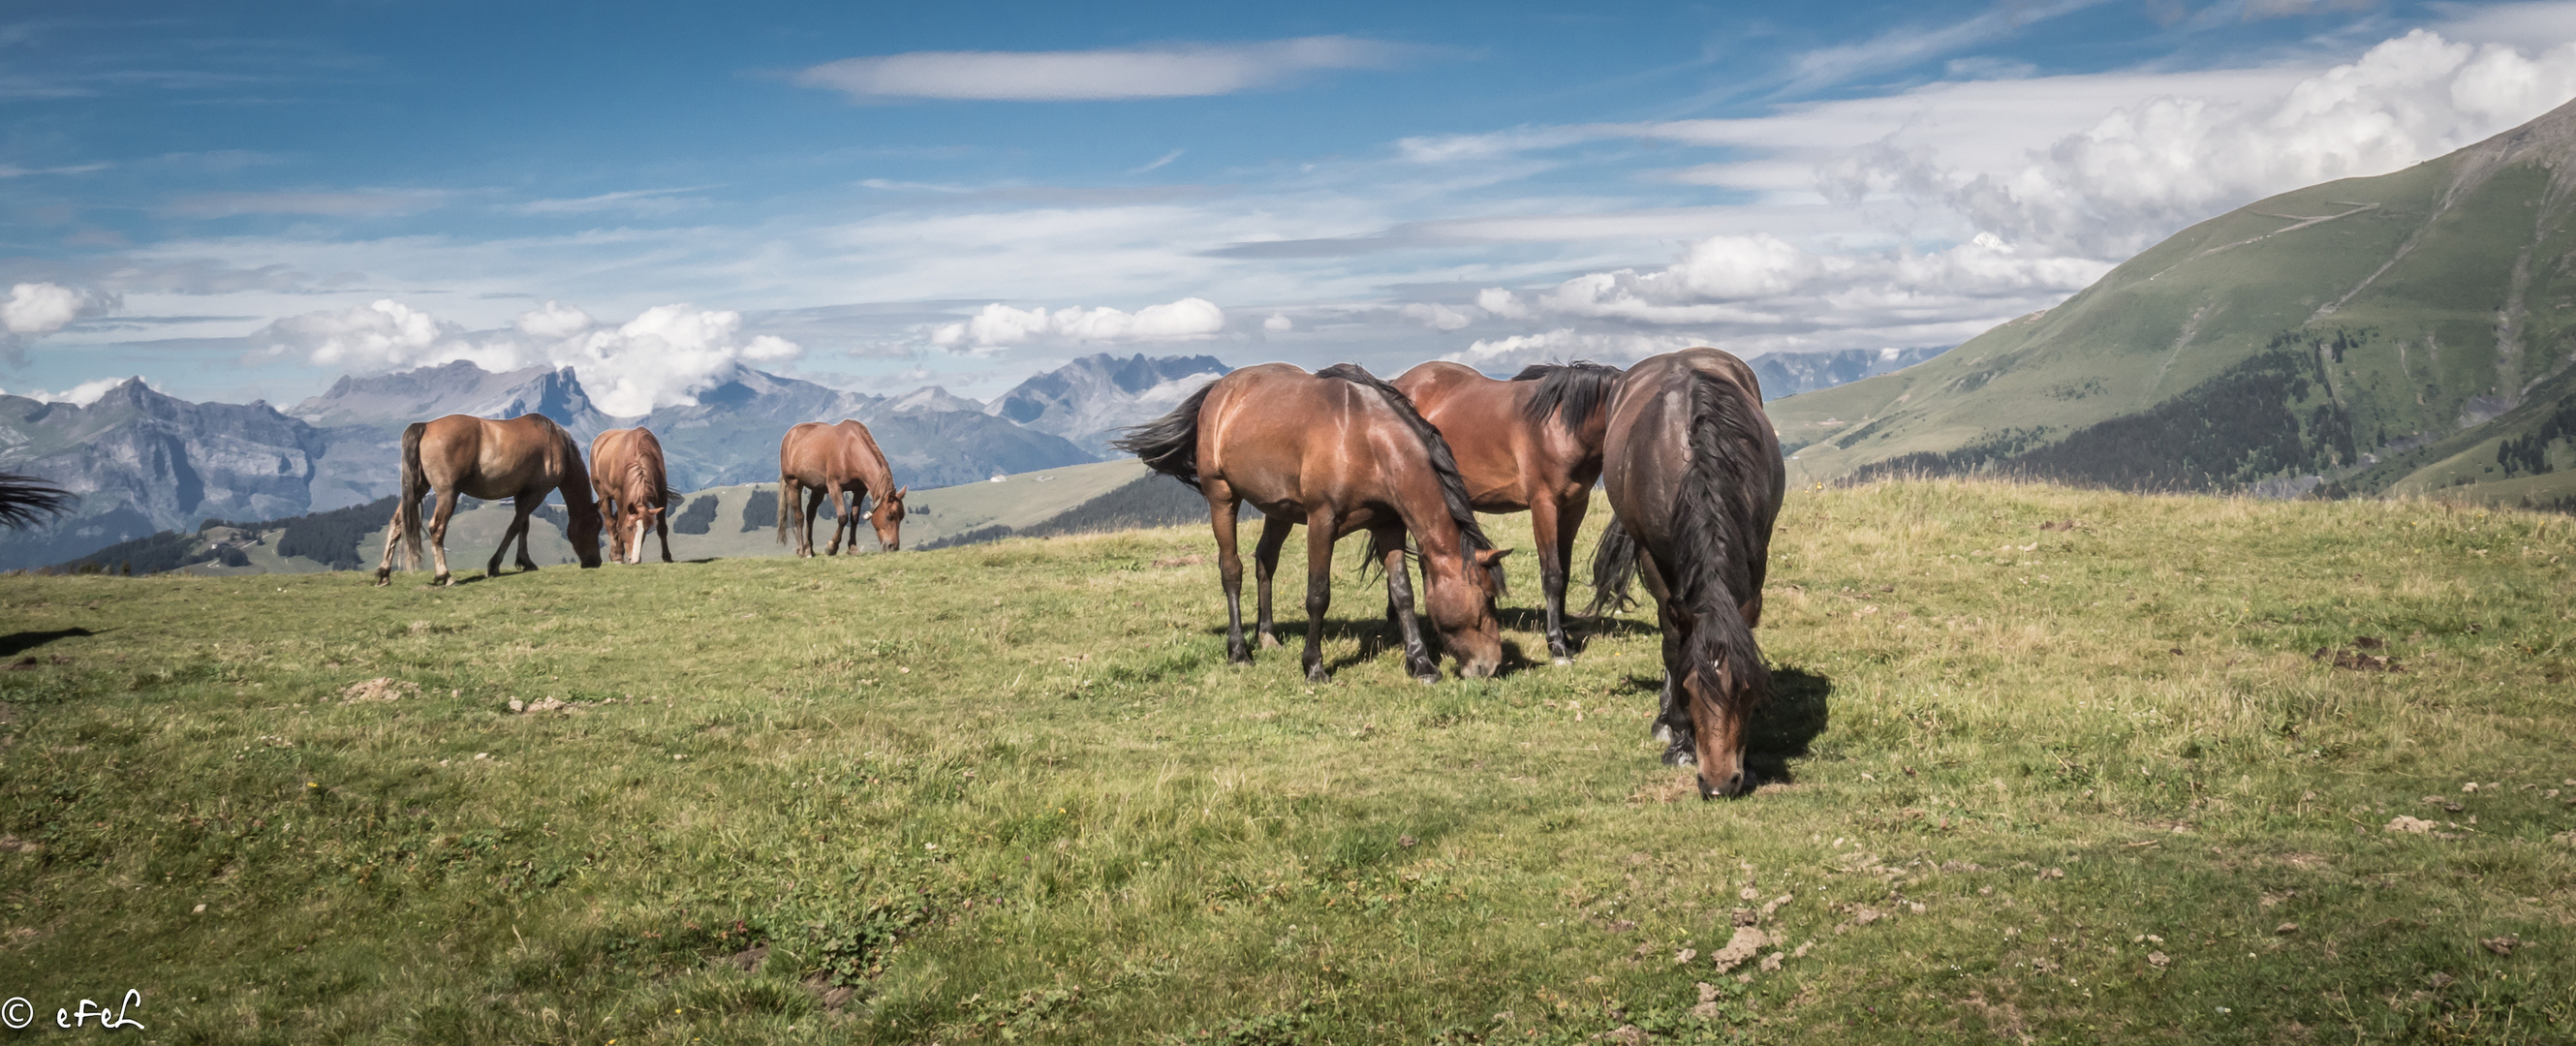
[(2030, 782)]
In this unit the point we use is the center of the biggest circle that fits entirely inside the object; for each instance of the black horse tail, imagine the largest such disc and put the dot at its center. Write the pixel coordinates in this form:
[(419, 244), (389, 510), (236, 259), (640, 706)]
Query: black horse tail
[(1614, 562), (1170, 444), (415, 486), (25, 498)]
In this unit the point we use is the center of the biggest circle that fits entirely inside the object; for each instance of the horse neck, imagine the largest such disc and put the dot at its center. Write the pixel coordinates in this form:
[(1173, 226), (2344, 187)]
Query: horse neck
[(1416, 494)]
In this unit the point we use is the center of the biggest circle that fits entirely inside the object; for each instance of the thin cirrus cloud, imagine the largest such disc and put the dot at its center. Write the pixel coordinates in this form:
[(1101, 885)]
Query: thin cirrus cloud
[(323, 204), (1170, 71), (640, 201)]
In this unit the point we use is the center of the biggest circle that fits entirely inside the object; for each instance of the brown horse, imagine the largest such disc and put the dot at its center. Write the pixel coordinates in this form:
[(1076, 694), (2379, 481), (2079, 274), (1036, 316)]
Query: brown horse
[(1341, 452), (817, 461), (1694, 475), (521, 459), (626, 469), (1529, 444)]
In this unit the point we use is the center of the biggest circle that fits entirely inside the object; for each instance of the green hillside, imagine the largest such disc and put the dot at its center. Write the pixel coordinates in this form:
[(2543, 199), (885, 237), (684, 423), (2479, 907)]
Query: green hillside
[(2049, 765), (2382, 334)]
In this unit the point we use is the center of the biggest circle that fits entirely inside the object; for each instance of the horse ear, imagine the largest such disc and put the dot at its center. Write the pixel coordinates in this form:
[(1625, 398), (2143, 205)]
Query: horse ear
[(899, 492), (1489, 557)]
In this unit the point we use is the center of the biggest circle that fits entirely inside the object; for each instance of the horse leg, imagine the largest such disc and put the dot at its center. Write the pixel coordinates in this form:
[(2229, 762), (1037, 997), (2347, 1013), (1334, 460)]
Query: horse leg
[(438, 518), (1265, 562), (805, 537), (1672, 717), (1418, 660), (1554, 526), (393, 538), (1319, 589), (840, 518), (661, 528), (527, 562), (1229, 570), (518, 527)]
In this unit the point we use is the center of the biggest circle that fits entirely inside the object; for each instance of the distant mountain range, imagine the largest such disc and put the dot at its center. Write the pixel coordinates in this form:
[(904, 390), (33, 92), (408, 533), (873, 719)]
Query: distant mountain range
[(2406, 333), (146, 463)]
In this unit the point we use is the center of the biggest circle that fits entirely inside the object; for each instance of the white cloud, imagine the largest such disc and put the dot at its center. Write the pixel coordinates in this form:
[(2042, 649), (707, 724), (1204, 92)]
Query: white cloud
[(636, 201), (2148, 168), (1174, 71), (1618, 348), (327, 204), (663, 357), (1278, 323), (35, 310), (998, 325), (80, 395), (1435, 316)]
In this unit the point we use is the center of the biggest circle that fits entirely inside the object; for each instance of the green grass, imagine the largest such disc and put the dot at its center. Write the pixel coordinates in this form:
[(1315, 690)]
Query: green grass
[(1012, 792)]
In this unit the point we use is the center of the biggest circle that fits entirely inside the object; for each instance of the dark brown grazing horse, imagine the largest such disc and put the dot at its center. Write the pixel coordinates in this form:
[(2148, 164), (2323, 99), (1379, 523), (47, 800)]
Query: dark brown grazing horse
[(1695, 477), (1529, 444), (1341, 452), (626, 469), (819, 461), (523, 459)]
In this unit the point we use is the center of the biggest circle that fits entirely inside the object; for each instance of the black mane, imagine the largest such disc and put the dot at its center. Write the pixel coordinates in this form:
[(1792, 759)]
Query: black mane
[(1569, 392), (1453, 488)]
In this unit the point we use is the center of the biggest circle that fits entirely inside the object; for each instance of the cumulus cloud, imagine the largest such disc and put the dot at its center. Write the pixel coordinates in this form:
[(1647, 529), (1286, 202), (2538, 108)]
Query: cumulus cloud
[(80, 395), (1278, 323), (1436, 316), (1173, 71), (35, 310), (663, 357), (1499, 355), (2145, 170), (997, 325)]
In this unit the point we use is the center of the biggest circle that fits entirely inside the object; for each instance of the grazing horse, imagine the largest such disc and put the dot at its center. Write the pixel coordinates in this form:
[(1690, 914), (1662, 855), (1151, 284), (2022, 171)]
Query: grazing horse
[(825, 461), (1694, 475), (1341, 452), (634, 492), (1529, 444), (521, 459)]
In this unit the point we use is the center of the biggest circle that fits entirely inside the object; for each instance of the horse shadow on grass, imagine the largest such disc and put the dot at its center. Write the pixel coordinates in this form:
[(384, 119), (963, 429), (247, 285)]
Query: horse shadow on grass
[(1782, 730), (17, 642)]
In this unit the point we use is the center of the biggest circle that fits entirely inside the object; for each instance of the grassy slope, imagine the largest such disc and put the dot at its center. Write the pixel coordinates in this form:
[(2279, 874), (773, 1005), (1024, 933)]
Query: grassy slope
[(1012, 791), (2216, 294)]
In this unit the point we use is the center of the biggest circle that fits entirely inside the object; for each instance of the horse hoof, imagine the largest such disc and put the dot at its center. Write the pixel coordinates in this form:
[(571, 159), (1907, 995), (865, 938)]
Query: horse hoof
[(1680, 755), (1560, 659), (1318, 675), (1432, 679)]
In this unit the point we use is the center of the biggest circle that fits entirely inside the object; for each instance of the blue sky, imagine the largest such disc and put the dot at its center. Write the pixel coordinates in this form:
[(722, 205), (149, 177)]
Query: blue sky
[(246, 201)]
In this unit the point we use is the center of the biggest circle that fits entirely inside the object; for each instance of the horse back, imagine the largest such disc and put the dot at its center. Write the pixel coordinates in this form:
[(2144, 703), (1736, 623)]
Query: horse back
[(1501, 455), (628, 463)]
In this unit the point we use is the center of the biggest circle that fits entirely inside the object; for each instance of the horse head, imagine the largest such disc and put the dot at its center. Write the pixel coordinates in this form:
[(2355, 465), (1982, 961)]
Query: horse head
[(1721, 692), (887, 517), (584, 528), (1461, 600), (633, 522)]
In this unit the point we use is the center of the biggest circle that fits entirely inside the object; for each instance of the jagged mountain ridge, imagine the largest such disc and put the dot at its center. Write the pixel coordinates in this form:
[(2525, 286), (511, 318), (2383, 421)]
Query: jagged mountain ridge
[(144, 462), (1090, 399), (2367, 335), (1789, 373)]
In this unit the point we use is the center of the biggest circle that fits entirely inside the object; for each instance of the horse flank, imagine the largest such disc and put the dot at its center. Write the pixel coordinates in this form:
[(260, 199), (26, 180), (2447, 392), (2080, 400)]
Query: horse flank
[(1444, 465), (1571, 393)]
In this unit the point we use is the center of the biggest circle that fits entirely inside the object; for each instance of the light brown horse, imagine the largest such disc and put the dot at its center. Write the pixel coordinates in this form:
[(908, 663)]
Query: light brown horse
[(634, 492), (1529, 444), (1341, 452), (1694, 474), (523, 459), (817, 461)]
